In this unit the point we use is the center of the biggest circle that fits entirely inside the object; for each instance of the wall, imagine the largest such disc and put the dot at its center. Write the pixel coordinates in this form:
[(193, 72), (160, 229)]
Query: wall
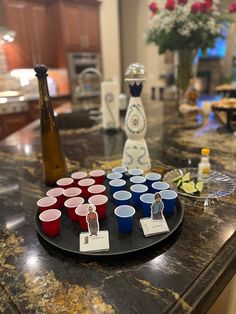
[(110, 39), (134, 17)]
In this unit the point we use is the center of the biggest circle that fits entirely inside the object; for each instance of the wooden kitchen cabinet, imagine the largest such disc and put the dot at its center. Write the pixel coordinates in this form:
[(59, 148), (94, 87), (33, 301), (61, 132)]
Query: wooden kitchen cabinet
[(18, 53), (34, 40), (90, 28), (2, 133), (47, 30), (41, 36), (80, 26), (9, 123), (78, 30), (70, 24), (34, 108)]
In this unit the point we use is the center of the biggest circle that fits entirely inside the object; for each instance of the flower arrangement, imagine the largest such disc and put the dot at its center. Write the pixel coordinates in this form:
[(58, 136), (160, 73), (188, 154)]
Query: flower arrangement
[(186, 24)]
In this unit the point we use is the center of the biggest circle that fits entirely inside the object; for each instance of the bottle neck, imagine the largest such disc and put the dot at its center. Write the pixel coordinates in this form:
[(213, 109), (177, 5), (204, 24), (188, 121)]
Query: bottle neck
[(47, 118), (44, 93), (205, 158)]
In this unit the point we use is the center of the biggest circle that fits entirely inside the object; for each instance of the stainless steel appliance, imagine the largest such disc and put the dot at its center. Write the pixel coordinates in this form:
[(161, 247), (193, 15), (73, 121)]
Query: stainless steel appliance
[(84, 74)]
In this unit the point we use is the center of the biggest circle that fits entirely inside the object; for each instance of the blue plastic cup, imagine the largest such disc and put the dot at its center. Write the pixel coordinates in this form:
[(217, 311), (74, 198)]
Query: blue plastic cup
[(114, 175), (124, 215), (117, 185), (151, 178), (137, 190), (147, 200), (135, 172), (122, 198), (137, 180), (169, 200), (160, 186), (121, 170)]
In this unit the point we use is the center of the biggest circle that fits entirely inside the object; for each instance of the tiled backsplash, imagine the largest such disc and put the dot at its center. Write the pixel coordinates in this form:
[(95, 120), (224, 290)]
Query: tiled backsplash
[(3, 65), (7, 82), (25, 82)]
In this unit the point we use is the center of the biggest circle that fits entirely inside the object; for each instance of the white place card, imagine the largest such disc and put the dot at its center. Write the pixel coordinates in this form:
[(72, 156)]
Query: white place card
[(97, 243), (153, 227)]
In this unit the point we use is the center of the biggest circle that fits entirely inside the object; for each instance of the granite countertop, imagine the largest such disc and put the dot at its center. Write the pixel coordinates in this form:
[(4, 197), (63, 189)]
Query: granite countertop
[(183, 274)]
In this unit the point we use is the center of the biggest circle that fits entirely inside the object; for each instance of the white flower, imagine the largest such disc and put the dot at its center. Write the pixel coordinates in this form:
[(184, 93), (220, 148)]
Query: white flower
[(180, 19), (184, 31)]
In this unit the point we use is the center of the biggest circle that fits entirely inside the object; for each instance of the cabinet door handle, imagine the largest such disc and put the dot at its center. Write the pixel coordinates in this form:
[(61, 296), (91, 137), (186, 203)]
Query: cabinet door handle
[(82, 41), (87, 41)]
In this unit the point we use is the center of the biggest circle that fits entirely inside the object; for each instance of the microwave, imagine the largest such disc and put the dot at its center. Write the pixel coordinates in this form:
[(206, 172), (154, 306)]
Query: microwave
[(84, 75)]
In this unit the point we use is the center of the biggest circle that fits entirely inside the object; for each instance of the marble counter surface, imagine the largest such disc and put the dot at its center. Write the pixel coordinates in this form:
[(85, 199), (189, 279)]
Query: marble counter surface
[(184, 274)]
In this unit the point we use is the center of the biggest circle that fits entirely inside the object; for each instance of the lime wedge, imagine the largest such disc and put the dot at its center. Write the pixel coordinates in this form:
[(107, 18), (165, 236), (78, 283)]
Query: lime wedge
[(199, 186), (177, 179), (192, 183), (186, 177), (188, 188), (178, 183)]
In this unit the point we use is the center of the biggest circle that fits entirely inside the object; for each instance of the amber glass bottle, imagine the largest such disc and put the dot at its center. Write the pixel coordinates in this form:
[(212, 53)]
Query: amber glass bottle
[(54, 166)]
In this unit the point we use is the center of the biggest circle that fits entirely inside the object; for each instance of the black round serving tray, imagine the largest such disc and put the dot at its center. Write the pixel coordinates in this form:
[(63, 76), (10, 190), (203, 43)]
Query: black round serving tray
[(120, 243)]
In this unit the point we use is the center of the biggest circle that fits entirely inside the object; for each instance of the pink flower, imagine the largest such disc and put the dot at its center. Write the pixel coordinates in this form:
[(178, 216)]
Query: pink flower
[(201, 7), (209, 3), (170, 5), (153, 7), (204, 7), (232, 7), (195, 7), (182, 2)]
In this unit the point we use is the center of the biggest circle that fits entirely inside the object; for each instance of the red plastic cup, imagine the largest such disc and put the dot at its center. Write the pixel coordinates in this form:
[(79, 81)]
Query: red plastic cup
[(71, 204), (51, 222), (58, 194), (100, 201), (72, 192), (65, 183), (79, 175), (97, 175), (96, 189), (81, 212), (46, 203), (84, 184)]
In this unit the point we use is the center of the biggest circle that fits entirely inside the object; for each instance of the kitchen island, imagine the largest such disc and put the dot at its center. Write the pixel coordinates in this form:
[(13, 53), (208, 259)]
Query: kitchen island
[(184, 274), (17, 112)]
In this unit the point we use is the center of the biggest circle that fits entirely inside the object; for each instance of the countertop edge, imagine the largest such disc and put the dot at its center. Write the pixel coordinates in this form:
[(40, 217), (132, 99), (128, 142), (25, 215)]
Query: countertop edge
[(207, 287)]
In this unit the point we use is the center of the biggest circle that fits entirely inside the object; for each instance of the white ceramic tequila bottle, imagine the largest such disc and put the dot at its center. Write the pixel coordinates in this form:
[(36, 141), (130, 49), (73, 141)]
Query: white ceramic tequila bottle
[(135, 154)]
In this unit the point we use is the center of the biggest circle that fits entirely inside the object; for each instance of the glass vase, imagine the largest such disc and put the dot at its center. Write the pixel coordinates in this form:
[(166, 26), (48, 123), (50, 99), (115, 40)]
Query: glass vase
[(184, 71)]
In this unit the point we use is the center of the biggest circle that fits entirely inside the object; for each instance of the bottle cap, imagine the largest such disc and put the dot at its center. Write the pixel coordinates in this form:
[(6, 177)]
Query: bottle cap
[(135, 71), (41, 71), (205, 151)]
